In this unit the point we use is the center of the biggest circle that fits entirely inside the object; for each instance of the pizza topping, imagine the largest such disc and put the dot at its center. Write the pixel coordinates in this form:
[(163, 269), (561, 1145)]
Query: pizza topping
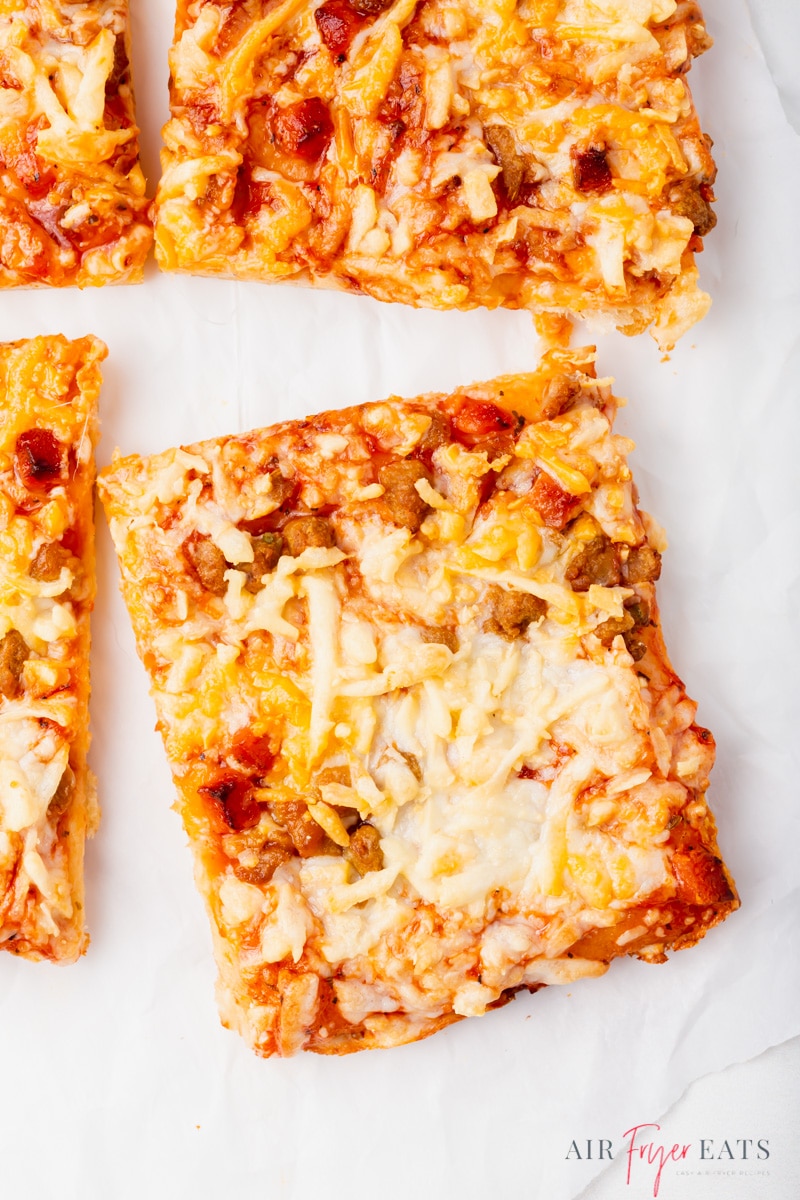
[(558, 395), (518, 169), (282, 489), (609, 629), (437, 434), (518, 476), (62, 795), (370, 8), (27, 166), (232, 799), (308, 838), (405, 503), (639, 610), (259, 869), (635, 648), (14, 652), (590, 170), (300, 533), (686, 199), (598, 563), (39, 458), (387, 143), (635, 616), (267, 550), (364, 850), (512, 612), (278, 502), (254, 754), (555, 505), (208, 562), (442, 635), (304, 128), (413, 764), (479, 419), (50, 560), (337, 23), (643, 565)]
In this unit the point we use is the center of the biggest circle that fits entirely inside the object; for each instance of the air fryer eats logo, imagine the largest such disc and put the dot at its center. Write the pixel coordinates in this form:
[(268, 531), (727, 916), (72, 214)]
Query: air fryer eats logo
[(649, 1152)]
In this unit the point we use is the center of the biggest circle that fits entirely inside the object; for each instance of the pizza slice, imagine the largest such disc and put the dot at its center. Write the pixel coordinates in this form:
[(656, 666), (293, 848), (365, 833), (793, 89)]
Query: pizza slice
[(427, 743), (543, 155), (73, 208), (48, 429)]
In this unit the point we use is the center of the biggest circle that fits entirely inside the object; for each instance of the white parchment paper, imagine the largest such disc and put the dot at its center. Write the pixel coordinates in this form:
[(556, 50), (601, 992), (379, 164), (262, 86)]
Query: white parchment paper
[(117, 1080)]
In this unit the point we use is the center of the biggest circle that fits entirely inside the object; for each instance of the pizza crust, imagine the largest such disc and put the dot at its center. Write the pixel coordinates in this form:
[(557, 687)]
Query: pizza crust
[(428, 746), (544, 156), (48, 805)]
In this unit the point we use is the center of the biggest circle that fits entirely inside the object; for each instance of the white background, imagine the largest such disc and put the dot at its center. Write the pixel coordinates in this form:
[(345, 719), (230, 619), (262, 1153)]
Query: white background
[(117, 1080)]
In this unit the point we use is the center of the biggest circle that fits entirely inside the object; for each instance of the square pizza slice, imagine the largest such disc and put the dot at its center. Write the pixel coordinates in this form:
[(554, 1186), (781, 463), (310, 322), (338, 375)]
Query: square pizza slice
[(427, 742), (536, 154), (73, 208), (48, 429)]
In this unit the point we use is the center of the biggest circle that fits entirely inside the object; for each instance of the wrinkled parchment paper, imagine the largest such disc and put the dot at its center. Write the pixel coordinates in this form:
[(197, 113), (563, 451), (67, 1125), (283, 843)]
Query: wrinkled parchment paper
[(117, 1079)]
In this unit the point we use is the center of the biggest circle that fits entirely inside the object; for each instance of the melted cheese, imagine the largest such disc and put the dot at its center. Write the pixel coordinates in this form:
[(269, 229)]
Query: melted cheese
[(31, 766)]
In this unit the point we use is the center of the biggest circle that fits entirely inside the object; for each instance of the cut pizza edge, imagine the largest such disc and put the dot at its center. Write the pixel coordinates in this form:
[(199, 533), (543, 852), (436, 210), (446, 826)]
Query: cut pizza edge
[(225, 206), (48, 432), (293, 1007), (73, 203)]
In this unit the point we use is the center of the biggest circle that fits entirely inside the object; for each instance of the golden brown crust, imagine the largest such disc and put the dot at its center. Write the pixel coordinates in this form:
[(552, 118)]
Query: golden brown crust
[(432, 750), (73, 208), (539, 155), (48, 429)]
